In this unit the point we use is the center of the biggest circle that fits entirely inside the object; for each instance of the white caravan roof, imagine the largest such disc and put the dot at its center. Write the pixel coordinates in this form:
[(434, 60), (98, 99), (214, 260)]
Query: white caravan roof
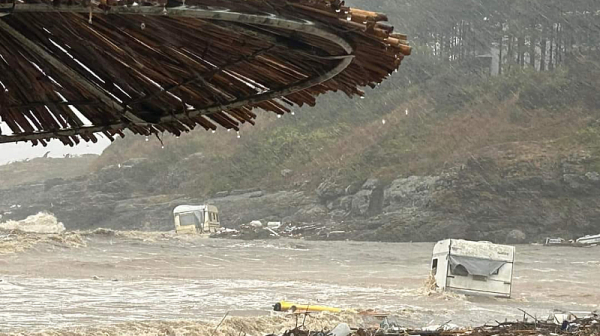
[(483, 250), (191, 208), (590, 239)]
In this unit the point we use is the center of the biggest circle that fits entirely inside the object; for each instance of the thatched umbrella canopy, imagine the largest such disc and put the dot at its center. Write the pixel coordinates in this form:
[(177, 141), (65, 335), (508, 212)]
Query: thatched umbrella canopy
[(72, 69)]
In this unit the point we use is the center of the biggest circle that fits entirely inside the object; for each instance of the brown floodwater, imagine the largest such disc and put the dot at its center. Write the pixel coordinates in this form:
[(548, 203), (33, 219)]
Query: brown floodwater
[(121, 280)]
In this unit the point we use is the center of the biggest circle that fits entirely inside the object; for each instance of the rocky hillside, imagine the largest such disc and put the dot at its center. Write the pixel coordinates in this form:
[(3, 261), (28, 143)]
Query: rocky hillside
[(496, 195)]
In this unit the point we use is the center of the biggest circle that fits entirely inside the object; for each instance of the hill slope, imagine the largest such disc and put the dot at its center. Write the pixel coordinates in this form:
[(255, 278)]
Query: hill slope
[(41, 169), (420, 130)]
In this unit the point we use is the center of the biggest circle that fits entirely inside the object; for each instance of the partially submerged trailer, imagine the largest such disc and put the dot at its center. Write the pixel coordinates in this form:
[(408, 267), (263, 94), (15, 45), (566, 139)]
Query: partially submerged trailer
[(196, 219), (589, 240), (476, 268)]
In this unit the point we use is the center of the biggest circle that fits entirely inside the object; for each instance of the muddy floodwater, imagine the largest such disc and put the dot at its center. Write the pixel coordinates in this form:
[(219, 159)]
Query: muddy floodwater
[(115, 280)]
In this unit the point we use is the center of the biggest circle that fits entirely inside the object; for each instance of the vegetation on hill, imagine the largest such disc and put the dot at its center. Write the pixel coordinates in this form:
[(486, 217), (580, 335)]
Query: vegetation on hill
[(40, 169), (443, 107), (391, 133)]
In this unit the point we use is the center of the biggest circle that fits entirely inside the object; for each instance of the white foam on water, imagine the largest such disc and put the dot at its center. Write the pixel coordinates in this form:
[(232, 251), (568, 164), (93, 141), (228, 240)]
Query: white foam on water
[(43, 223), (545, 270)]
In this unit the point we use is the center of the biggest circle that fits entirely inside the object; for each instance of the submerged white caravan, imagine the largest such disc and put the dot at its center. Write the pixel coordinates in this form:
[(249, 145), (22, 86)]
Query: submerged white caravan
[(595, 239), (476, 268), (196, 219)]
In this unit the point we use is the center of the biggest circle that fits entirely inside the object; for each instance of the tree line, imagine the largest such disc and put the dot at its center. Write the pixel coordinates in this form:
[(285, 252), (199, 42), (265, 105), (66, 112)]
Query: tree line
[(539, 34)]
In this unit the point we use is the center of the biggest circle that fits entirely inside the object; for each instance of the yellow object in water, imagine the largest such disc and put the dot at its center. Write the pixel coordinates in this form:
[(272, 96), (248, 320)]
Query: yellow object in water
[(294, 307)]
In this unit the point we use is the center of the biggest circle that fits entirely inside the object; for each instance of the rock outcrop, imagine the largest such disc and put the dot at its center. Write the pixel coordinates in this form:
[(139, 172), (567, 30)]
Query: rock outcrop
[(483, 199)]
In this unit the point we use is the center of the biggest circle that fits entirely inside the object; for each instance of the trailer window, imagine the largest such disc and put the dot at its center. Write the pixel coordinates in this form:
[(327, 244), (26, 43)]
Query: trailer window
[(188, 219), (434, 266), (460, 270)]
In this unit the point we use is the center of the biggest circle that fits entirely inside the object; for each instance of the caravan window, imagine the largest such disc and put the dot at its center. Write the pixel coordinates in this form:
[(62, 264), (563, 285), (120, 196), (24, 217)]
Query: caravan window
[(434, 266), (464, 266), (188, 219), (460, 270)]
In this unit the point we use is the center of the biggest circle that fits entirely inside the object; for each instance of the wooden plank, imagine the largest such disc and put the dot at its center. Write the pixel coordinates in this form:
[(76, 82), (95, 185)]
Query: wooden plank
[(68, 72)]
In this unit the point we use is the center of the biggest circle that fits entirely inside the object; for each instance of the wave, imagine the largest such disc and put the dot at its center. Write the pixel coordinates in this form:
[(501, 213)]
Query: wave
[(231, 326)]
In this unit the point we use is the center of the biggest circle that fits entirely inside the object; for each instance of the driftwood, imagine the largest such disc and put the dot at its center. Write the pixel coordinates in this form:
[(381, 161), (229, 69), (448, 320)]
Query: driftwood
[(71, 69), (588, 326)]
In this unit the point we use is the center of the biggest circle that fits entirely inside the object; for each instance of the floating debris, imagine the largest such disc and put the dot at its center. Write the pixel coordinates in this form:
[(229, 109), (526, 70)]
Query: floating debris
[(572, 325), (585, 241)]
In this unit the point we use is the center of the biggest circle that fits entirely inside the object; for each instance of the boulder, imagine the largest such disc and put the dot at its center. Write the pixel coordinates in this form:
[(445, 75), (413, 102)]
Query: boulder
[(244, 191), (343, 203), (370, 184), (353, 188), (221, 194), (516, 237), (360, 202), (414, 191), (593, 176), (311, 213), (328, 190), (256, 194)]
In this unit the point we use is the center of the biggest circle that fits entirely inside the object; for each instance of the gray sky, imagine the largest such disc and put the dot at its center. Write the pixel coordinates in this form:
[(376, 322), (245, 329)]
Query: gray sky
[(21, 151)]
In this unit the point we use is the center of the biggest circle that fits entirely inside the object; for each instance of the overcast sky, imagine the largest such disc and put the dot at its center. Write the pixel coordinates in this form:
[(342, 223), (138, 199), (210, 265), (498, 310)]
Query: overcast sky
[(21, 151)]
